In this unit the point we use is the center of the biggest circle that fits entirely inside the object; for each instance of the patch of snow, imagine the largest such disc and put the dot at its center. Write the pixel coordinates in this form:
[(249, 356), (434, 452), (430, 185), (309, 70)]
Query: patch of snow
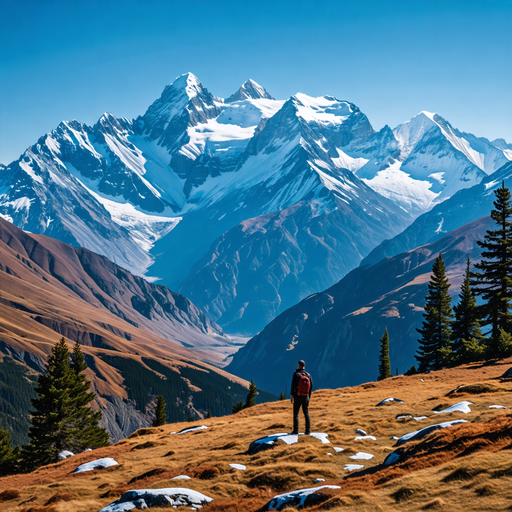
[(353, 467), (388, 401), (144, 229), (361, 456), (362, 438), (318, 480), (96, 464), (191, 429), (345, 161), (497, 407), (328, 453), (438, 176), (147, 498), (403, 416), (65, 454), (267, 442), (459, 407), (295, 499), (440, 227), (180, 477), (418, 434), (321, 437), (28, 169), (241, 467), (361, 432), (419, 418), (337, 449), (8, 218)]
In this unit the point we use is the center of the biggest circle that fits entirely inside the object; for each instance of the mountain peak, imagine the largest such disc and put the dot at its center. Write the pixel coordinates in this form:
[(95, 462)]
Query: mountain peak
[(249, 90), (189, 83)]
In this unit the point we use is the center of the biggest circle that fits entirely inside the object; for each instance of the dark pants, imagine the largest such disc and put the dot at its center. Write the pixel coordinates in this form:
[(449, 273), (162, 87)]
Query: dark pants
[(298, 402)]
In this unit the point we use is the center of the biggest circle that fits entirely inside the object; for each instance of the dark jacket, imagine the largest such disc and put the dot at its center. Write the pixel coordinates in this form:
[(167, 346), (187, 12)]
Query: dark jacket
[(295, 382)]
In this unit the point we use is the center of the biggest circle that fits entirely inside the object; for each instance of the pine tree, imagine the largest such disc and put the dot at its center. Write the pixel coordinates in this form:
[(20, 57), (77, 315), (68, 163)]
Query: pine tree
[(87, 432), (494, 281), (466, 326), (208, 414), (251, 395), (384, 366), (282, 396), (6, 454), (504, 345), (238, 407), (436, 331), (62, 419), (191, 418), (160, 415)]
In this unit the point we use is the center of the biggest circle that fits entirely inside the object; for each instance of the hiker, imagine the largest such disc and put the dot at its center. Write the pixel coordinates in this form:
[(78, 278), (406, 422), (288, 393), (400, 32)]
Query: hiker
[(302, 385)]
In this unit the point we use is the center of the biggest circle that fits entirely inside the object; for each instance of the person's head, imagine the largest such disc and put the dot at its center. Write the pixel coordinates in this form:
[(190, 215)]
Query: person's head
[(301, 365)]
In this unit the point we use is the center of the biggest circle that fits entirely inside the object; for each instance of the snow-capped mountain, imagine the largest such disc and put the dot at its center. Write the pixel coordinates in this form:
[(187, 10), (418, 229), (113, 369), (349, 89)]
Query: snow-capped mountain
[(465, 206), (303, 188)]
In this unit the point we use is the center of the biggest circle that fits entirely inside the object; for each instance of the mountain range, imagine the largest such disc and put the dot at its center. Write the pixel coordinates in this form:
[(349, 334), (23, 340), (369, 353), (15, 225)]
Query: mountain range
[(245, 205)]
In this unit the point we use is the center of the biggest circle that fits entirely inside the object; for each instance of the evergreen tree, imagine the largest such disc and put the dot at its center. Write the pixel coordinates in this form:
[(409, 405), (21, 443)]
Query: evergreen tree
[(208, 414), (191, 418), (384, 366), (62, 419), (504, 345), (466, 326), (436, 331), (238, 407), (494, 281), (282, 396), (251, 395), (6, 454), (160, 415), (87, 432)]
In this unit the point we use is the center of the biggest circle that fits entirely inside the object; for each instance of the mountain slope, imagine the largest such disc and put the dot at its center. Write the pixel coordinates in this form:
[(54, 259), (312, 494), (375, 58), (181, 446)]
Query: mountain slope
[(466, 463), (125, 325), (337, 331), (465, 206)]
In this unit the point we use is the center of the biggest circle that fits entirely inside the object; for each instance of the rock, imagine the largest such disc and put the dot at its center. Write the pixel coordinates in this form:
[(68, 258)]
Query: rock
[(299, 499), (388, 401), (148, 498), (425, 431), (459, 407), (96, 464), (65, 454)]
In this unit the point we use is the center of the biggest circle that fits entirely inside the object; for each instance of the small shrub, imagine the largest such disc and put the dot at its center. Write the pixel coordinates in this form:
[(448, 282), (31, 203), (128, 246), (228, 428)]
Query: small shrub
[(462, 474), (9, 494), (403, 494), (143, 446), (60, 496)]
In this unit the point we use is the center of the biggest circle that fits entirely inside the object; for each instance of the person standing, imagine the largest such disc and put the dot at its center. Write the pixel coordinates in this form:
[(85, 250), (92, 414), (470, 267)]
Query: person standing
[(302, 385)]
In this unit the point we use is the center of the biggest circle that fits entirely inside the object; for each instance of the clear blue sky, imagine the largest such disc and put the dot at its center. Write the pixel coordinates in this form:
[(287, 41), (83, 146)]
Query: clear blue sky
[(70, 59)]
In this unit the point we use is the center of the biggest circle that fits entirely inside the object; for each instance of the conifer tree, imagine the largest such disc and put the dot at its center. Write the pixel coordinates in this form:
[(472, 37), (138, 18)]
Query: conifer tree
[(385, 365), (436, 330), (238, 407), (282, 396), (494, 281), (87, 432), (208, 414), (62, 419), (160, 415), (7, 458), (466, 332), (251, 395)]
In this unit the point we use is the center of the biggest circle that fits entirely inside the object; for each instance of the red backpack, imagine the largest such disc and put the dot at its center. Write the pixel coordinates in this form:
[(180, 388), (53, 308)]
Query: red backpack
[(304, 385)]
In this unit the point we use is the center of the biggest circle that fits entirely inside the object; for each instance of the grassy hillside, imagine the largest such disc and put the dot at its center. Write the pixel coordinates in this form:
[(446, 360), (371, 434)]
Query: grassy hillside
[(466, 467)]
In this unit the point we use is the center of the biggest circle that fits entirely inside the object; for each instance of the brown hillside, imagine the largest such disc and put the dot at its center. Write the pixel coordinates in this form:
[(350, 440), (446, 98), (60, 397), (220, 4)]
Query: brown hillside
[(49, 289), (466, 467)]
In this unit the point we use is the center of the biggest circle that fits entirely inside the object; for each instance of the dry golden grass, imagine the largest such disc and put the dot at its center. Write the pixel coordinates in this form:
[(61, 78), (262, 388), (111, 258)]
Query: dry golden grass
[(467, 467)]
